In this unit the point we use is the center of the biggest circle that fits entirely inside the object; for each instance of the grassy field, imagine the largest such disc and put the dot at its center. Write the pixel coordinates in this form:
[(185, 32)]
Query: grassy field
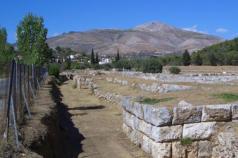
[(200, 94)]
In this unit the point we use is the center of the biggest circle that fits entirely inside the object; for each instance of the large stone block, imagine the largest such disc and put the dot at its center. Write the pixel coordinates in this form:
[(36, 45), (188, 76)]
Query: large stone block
[(128, 119), (145, 127), (204, 149), (146, 144), (137, 110), (158, 116), (126, 129), (127, 103), (161, 150), (136, 137), (167, 133), (234, 112), (199, 131), (184, 151), (216, 113), (187, 114)]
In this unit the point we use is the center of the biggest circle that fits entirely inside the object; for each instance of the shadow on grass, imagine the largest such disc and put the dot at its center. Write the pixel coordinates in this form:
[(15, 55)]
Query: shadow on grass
[(97, 107)]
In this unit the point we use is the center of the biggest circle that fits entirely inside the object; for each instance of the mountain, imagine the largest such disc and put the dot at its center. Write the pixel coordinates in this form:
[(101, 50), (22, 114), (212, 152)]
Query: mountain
[(154, 38)]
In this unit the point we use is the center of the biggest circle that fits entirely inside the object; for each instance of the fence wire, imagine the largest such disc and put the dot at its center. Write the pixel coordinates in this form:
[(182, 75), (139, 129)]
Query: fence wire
[(19, 84)]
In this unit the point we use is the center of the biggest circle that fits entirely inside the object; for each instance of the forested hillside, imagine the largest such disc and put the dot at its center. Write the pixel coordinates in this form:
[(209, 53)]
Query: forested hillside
[(224, 53)]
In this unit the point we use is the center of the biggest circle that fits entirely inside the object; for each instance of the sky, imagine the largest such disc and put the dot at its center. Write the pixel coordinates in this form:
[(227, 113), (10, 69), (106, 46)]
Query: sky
[(216, 17)]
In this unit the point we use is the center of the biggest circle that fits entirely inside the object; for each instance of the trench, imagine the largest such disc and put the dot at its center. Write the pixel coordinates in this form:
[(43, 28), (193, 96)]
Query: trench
[(63, 139)]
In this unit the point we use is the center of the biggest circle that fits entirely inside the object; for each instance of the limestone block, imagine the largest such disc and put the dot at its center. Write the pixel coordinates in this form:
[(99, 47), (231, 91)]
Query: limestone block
[(161, 150), (158, 116), (126, 129), (137, 110), (187, 114), (199, 131), (216, 113), (204, 149), (167, 133), (145, 128), (184, 151), (136, 137), (146, 144), (234, 112)]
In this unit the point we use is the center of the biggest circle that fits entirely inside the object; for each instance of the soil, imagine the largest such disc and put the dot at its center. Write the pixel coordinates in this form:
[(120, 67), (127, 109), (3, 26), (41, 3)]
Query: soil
[(97, 126)]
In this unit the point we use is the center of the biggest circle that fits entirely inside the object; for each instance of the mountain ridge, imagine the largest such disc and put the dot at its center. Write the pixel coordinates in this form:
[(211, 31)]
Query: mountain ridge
[(149, 38)]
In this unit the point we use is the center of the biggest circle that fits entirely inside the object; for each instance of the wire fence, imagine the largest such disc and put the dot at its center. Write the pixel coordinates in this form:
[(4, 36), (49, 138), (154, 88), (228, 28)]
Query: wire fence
[(19, 84)]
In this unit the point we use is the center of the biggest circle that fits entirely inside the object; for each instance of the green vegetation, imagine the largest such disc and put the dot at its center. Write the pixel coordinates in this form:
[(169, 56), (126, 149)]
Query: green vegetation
[(174, 70), (92, 57), (224, 53), (186, 141), (186, 58), (31, 40), (154, 101), (54, 69), (228, 97), (117, 58)]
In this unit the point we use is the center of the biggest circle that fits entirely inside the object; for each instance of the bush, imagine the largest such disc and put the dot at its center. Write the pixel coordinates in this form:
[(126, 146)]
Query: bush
[(54, 69), (186, 141), (152, 66), (174, 70)]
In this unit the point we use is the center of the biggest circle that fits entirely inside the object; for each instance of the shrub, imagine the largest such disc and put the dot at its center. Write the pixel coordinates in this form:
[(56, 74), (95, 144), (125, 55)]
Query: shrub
[(54, 69), (228, 97), (152, 66), (155, 101), (174, 70), (186, 141)]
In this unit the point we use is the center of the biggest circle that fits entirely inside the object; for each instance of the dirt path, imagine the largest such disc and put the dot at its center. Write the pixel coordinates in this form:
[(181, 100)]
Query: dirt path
[(99, 124)]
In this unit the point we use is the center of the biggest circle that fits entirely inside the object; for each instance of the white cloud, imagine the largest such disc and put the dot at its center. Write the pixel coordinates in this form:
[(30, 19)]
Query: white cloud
[(194, 28), (222, 30)]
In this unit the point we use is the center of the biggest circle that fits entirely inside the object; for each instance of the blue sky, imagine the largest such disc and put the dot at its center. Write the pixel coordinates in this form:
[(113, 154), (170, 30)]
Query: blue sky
[(216, 17)]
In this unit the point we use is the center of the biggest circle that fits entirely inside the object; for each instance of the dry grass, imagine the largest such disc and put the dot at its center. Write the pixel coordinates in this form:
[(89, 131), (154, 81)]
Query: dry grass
[(201, 94)]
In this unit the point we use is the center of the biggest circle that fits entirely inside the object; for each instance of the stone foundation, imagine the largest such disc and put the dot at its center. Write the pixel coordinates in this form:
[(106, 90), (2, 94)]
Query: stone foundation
[(185, 131)]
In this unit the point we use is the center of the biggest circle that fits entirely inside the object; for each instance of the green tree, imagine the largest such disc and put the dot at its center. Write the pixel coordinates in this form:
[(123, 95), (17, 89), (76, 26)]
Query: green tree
[(186, 58), (96, 59), (31, 40), (117, 56), (197, 59), (92, 57), (212, 59), (6, 50)]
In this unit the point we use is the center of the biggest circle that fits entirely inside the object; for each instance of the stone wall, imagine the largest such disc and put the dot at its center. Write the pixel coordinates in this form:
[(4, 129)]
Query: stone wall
[(160, 130), (154, 87)]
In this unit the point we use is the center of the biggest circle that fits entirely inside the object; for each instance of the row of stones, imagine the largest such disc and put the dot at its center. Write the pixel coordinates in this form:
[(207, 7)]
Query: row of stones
[(154, 87), (194, 131), (163, 116), (198, 149)]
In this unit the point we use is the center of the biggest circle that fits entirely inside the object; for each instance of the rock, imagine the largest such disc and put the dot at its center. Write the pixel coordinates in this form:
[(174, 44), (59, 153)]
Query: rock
[(126, 129), (136, 137), (167, 133), (137, 110), (165, 88), (226, 142), (145, 127), (184, 151), (183, 103), (216, 113), (186, 114), (199, 131), (128, 119), (127, 103), (146, 144), (204, 149), (157, 116), (234, 112), (161, 150)]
